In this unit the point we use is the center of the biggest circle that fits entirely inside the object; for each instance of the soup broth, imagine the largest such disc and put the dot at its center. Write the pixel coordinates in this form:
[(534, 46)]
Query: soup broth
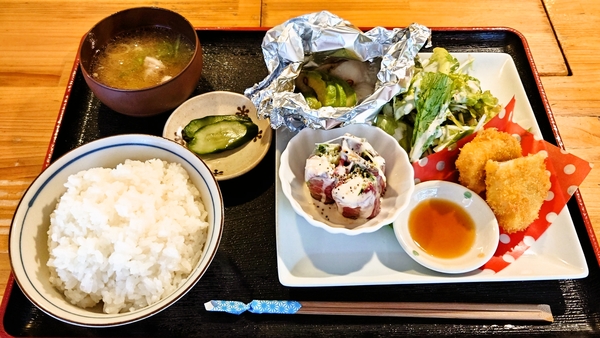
[(142, 58)]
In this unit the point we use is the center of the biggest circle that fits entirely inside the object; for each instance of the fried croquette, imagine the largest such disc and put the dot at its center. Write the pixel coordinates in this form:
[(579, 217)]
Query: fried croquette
[(516, 189), (488, 144)]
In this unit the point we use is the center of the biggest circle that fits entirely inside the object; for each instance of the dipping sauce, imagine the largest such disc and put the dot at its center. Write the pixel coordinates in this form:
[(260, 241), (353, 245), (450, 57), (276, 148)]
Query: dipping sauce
[(142, 58), (441, 228)]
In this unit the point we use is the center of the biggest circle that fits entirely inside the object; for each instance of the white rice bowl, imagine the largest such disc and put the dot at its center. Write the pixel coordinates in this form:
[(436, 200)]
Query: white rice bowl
[(128, 262), (126, 237)]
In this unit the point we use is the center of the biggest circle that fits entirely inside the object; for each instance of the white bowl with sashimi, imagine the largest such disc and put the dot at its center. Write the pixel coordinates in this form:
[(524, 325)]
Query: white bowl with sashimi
[(350, 180)]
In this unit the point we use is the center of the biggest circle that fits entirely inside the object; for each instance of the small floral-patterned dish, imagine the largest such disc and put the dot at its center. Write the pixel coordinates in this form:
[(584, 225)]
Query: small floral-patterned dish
[(230, 163), (487, 232)]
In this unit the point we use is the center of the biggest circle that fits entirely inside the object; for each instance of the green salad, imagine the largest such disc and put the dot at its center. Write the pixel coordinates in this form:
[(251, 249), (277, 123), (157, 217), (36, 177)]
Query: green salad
[(442, 105)]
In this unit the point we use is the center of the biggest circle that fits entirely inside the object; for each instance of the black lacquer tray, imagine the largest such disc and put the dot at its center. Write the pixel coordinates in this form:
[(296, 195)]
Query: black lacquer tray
[(245, 267)]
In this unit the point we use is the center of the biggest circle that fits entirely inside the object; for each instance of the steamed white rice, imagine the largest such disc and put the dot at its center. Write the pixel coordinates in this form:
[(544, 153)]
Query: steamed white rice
[(127, 236)]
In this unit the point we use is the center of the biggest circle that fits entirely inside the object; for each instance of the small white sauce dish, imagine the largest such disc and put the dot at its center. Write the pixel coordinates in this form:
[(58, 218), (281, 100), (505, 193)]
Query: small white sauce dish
[(398, 170), (487, 231)]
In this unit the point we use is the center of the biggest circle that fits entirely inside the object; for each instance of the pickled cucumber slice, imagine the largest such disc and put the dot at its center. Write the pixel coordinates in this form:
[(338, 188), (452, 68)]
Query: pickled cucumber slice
[(223, 135), (194, 125)]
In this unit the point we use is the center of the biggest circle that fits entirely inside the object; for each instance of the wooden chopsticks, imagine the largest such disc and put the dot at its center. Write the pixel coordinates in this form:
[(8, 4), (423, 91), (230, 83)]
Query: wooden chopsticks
[(524, 312)]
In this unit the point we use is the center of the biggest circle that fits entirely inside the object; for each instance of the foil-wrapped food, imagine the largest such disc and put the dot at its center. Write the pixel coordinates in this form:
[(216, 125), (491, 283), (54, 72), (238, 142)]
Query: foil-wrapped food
[(324, 72)]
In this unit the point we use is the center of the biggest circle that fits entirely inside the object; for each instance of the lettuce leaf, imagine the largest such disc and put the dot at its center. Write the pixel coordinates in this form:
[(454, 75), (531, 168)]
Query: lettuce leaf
[(432, 106)]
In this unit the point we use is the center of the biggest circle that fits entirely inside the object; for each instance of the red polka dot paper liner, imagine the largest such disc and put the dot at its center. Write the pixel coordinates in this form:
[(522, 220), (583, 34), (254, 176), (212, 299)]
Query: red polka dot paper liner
[(566, 172)]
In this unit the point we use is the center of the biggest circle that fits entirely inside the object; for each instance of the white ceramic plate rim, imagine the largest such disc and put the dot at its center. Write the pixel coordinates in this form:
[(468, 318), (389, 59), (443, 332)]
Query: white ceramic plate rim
[(248, 155), (398, 194), (31, 286), (310, 257), (481, 213)]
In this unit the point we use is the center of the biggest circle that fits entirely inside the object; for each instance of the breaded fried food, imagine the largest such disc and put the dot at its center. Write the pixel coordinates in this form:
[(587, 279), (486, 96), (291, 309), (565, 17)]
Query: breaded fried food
[(516, 189), (488, 144)]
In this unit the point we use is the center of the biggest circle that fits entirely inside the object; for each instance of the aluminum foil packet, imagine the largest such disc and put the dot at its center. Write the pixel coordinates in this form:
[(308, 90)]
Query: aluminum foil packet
[(324, 41)]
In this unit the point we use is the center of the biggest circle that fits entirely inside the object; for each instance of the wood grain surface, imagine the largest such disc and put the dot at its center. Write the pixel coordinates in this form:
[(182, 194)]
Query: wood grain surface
[(39, 39), (573, 98), (531, 19)]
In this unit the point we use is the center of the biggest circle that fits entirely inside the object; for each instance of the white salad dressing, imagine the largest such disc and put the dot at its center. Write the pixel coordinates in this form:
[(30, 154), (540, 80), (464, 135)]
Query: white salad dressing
[(353, 148), (349, 192), (318, 166), (349, 172)]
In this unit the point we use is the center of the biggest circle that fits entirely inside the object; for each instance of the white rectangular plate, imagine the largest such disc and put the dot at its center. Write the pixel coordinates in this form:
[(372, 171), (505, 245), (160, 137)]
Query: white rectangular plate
[(309, 256)]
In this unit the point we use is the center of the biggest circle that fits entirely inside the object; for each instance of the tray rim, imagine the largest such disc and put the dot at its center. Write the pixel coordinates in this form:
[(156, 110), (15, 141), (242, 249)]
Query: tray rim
[(69, 87)]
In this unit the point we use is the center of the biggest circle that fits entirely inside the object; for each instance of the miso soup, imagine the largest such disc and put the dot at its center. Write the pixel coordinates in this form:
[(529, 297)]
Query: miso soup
[(142, 58)]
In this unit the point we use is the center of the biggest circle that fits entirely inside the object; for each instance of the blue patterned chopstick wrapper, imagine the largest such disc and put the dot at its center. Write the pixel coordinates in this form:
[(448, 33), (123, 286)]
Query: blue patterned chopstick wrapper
[(288, 307)]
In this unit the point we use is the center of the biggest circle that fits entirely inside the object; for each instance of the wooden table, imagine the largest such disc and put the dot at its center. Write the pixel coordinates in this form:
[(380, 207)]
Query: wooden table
[(39, 40)]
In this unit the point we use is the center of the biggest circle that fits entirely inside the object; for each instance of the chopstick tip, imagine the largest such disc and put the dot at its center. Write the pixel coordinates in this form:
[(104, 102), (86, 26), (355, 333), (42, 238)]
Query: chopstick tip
[(547, 313)]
